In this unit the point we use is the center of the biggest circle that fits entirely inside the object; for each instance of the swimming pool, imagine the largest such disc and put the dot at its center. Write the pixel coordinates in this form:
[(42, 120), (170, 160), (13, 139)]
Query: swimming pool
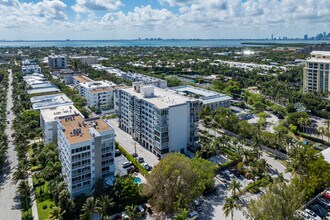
[(137, 180)]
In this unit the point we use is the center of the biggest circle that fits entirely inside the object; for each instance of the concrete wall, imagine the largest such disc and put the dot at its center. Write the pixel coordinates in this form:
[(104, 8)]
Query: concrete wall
[(178, 127)]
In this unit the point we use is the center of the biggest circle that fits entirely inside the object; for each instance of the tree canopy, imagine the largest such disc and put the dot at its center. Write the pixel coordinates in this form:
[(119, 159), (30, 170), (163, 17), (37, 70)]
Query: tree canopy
[(177, 180)]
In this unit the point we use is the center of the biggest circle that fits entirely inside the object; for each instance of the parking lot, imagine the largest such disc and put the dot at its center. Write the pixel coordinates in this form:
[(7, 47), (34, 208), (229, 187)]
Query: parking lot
[(127, 142), (119, 160), (212, 204)]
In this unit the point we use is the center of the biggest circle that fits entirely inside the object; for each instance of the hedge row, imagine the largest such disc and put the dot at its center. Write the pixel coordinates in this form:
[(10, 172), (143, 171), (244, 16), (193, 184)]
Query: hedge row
[(314, 139), (141, 168)]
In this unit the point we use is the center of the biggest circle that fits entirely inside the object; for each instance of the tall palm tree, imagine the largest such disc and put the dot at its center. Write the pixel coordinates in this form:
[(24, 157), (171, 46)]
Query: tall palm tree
[(90, 207), (327, 123), (230, 206), (56, 213), (24, 191), (131, 211), (234, 187), (105, 204)]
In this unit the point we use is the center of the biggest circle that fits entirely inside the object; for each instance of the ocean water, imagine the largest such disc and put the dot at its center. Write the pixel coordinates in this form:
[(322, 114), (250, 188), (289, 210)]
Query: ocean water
[(149, 43)]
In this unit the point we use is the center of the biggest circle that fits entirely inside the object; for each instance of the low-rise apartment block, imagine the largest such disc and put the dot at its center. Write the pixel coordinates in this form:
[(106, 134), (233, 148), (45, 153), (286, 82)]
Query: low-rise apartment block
[(30, 67), (137, 77), (86, 59), (207, 97), (316, 72), (48, 120), (161, 120), (86, 149), (50, 101), (58, 61)]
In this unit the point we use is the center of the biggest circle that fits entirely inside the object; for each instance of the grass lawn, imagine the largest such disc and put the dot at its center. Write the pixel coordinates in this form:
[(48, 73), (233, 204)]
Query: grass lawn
[(43, 213)]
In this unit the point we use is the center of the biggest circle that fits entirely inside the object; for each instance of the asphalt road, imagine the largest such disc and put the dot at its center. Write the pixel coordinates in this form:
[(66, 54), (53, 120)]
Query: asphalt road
[(9, 201)]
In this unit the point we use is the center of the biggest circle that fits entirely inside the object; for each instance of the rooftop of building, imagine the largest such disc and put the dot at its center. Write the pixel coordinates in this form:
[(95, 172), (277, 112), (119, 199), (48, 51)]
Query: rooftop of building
[(142, 77), (31, 66), (82, 79), (77, 129), (49, 101), (326, 154), (316, 52), (49, 114), (95, 85), (43, 90), (207, 96), (161, 98), (36, 84), (57, 56), (82, 56)]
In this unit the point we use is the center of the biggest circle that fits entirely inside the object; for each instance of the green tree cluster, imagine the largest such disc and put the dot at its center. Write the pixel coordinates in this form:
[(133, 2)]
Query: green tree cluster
[(177, 180)]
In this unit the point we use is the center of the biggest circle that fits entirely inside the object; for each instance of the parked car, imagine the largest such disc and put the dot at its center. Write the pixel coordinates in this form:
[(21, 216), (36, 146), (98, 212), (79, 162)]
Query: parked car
[(323, 202), (193, 215), (312, 214), (134, 155), (318, 209), (230, 174), (141, 209), (117, 153), (7, 121), (140, 159), (8, 112), (197, 205), (326, 194), (127, 164), (147, 166)]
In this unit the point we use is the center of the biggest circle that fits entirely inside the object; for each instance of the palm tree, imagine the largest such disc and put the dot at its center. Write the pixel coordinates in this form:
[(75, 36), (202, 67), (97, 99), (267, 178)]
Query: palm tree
[(56, 213), (182, 214), (131, 211), (327, 122), (322, 131), (105, 204), (90, 207), (230, 206), (24, 191), (234, 187)]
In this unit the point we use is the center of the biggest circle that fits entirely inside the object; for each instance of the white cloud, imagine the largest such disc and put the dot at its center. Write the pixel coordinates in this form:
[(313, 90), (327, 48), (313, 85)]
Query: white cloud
[(85, 6), (191, 18)]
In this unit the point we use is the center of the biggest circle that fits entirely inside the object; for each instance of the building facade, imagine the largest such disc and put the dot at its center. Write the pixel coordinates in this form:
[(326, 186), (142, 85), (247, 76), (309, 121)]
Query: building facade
[(86, 149), (316, 72), (86, 59), (161, 120), (48, 120), (58, 61)]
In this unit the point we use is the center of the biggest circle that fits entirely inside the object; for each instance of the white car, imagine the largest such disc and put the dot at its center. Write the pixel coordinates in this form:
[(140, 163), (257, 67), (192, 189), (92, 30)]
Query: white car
[(312, 215)]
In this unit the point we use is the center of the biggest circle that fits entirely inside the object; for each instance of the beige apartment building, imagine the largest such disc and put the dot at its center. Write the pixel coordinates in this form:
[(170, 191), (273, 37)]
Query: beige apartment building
[(316, 72)]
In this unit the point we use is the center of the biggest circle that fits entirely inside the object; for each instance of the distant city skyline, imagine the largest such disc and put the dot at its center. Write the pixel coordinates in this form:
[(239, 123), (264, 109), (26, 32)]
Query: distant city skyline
[(181, 19)]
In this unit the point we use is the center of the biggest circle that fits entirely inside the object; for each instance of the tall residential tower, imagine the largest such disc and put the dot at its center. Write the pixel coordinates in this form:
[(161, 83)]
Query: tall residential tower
[(316, 72)]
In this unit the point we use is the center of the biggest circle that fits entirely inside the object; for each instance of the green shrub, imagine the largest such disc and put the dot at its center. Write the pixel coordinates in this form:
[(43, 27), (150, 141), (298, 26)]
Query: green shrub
[(132, 159)]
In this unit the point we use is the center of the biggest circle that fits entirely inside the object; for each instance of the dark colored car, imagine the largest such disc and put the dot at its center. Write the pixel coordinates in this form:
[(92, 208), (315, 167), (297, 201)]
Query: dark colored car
[(147, 166), (318, 209), (134, 155), (117, 153), (140, 159)]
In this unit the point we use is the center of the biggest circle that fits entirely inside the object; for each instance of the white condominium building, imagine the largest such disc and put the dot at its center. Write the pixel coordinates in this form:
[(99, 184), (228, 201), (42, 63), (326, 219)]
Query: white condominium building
[(29, 69), (57, 61), (98, 94), (86, 59), (161, 120), (86, 149), (138, 77), (48, 120), (316, 72)]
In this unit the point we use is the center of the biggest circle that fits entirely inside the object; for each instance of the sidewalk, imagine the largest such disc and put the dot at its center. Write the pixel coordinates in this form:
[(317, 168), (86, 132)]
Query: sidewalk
[(33, 198)]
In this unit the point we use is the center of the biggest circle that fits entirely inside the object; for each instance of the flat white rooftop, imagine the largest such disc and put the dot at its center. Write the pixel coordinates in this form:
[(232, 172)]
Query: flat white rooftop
[(206, 96), (43, 90), (97, 84), (49, 114), (326, 154), (49, 101), (316, 52), (162, 98)]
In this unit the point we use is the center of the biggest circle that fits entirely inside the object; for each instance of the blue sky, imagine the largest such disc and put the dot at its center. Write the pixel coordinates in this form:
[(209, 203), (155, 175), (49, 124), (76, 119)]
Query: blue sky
[(128, 19)]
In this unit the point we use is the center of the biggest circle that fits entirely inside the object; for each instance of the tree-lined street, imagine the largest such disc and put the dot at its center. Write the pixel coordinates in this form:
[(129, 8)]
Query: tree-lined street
[(9, 199)]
